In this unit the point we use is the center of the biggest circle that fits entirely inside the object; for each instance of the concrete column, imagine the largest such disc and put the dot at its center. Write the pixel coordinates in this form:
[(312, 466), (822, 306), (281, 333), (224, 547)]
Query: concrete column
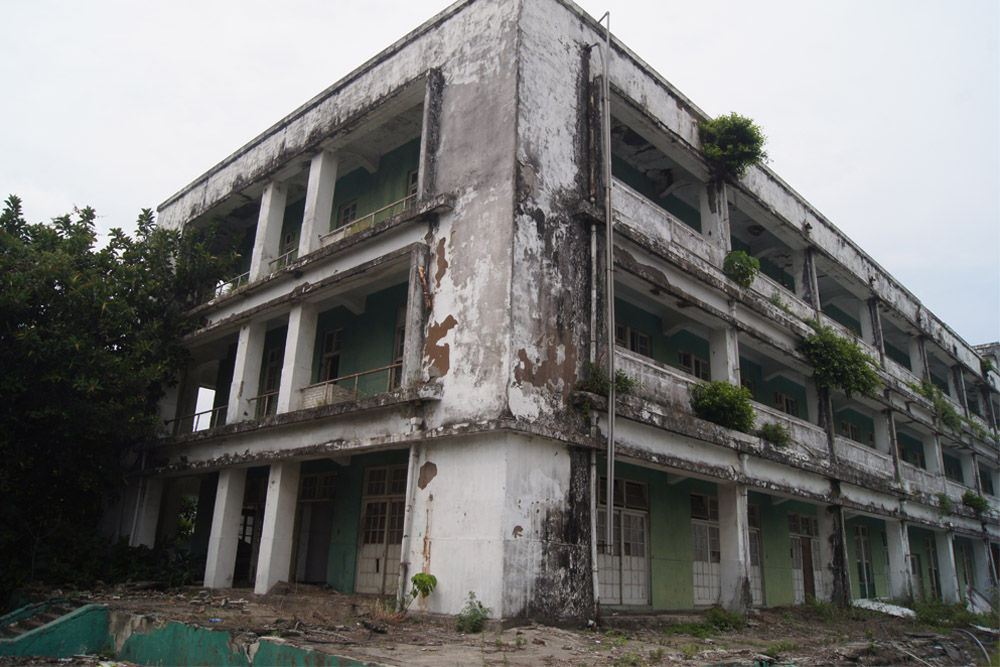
[(958, 378), (871, 327), (883, 429), (299, 346), (220, 563), (416, 313), (147, 512), (170, 509), (812, 402), (811, 280), (900, 580), (319, 201), (947, 572), (981, 578), (276, 541), (799, 272), (725, 355), (836, 584), (715, 215), (918, 356), (246, 372), (267, 243), (932, 454), (969, 473), (734, 546)]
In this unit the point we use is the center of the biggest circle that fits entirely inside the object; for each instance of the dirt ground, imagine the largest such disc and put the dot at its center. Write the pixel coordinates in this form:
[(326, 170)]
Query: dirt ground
[(357, 627)]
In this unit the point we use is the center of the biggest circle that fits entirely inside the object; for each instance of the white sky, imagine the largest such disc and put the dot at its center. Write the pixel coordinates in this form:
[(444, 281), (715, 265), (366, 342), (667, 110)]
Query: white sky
[(884, 114)]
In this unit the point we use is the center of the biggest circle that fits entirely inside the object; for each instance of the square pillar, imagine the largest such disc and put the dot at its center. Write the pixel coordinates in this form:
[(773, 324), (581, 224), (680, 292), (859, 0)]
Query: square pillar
[(734, 548), (416, 313), (246, 372), (267, 243), (276, 541), (724, 351), (296, 371), (981, 578), (715, 215), (812, 402), (147, 512), (319, 201), (884, 431), (220, 562), (944, 545), (836, 580), (918, 356), (900, 580), (871, 326)]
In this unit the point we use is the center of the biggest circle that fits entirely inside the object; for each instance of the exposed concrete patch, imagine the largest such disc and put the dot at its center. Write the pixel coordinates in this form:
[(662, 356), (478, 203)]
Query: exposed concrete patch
[(428, 471), (442, 263), (438, 355)]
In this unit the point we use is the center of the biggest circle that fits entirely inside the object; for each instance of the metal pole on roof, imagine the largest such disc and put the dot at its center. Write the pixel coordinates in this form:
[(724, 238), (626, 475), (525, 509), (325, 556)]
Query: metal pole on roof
[(609, 539)]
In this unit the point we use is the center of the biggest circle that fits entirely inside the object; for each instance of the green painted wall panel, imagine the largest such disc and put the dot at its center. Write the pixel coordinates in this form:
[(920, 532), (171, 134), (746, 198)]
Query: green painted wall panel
[(843, 318), (764, 390), (84, 630), (374, 191), (865, 424), (342, 561)]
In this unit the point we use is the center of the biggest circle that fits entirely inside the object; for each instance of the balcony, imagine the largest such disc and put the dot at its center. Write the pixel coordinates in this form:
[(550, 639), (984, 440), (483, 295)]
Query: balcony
[(864, 458), (369, 220), (350, 388), (199, 421)]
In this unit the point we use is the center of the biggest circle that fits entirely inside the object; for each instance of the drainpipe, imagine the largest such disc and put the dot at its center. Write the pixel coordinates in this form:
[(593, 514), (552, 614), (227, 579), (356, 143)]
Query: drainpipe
[(404, 550), (609, 539)]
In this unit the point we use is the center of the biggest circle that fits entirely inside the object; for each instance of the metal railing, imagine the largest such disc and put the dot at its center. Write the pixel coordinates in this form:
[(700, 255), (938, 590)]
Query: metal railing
[(281, 261), (264, 404), (198, 421), (370, 219), (335, 391), (231, 285)]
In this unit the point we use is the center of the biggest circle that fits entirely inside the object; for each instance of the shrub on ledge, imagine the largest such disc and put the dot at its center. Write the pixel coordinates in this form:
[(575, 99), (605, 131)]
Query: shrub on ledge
[(732, 143), (741, 267), (776, 434), (839, 363), (723, 404)]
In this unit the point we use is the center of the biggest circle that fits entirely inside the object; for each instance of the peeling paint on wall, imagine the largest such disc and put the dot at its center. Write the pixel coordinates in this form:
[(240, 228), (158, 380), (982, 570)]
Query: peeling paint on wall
[(438, 355)]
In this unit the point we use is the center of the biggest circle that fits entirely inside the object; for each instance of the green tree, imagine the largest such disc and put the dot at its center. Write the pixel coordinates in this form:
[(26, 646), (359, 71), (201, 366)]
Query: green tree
[(88, 345)]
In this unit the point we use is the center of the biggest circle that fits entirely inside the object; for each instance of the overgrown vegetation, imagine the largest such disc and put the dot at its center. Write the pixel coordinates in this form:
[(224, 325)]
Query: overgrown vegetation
[(839, 363), (944, 504), (976, 502), (88, 346), (422, 585), (775, 434), (473, 615), (596, 381), (732, 143), (985, 365), (724, 404), (939, 614), (741, 267), (946, 412), (724, 620)]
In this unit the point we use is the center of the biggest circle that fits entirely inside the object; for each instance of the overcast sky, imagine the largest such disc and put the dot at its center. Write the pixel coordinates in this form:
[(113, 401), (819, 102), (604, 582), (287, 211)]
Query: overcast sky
[(884, 114)]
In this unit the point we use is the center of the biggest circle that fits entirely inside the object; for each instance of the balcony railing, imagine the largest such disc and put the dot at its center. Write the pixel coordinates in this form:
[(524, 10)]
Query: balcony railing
[(367, 221), (281, 261), (265, 404), (347, 388), (922, 479), (864, 457), (198, 421), (231, 285)]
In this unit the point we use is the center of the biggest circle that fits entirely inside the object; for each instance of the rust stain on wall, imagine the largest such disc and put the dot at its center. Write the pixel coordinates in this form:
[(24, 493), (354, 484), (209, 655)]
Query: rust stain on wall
[(440, 355), (442, 263), (547, 372), (428, 471)]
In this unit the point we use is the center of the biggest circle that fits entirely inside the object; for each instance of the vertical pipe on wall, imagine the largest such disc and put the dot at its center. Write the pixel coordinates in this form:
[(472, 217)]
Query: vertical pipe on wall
[(609, 268)]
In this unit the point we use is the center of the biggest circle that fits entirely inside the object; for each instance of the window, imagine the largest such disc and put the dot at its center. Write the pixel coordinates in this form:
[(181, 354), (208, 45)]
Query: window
[(749, 385), (318, 487), (623, 575), (863, 554), (348, 213), (953, 469), (986, 479), (696, 366), (914, 457), (851, 430), (786, 403), (704, 507), (412, 183), (331, 355), (636, 341)]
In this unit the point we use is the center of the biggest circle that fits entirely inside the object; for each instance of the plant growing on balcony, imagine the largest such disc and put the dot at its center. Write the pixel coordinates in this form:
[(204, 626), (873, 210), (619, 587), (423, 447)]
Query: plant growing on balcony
[(946, 412), (732, 143), (775, 434), (944, 504), (741, 267), (839, 363), (978, 503), (724, 404), (985, 365), (596, 381)]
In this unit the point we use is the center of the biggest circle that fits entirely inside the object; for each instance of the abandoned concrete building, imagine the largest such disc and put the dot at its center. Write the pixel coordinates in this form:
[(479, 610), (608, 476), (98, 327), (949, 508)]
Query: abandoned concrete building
[(391, 379)]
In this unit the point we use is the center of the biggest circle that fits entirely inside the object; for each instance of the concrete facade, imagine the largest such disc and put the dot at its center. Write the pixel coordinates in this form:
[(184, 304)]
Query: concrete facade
[(392, 382)]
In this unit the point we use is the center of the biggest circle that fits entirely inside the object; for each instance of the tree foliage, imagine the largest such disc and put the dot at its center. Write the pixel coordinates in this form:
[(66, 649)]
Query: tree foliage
[(732, 143), (88, 345), (724, 404), (839, 363)]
